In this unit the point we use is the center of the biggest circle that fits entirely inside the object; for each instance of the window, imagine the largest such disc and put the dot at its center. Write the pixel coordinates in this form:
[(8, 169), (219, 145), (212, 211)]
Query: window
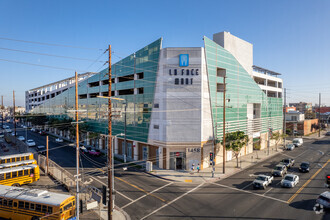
[(5, 202), (3, 161), (17, 159), (7, 175), (20, 173), (38, 207), (156, 126), (22, 158), (44, 208), (140, 90), (156, 105), (32, 206), (50, 210), (176, 81), (20, 204), (93, 95), (0, 201), (220, 87), (140, 75), (8, 161), (68, 206), (2, 176), (15, 204), (94, 84), (26, 172), (10, 203), (83, 96), (126, 78), (126, 92), (221, 72), (31, 171), (26, 157), (14, 174), (26, 206)]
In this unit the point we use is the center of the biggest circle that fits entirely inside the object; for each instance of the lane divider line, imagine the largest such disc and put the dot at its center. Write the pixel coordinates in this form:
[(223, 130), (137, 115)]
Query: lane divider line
[(245, 191), (307, 182), (128, 204), (148, 193), (169, 203)]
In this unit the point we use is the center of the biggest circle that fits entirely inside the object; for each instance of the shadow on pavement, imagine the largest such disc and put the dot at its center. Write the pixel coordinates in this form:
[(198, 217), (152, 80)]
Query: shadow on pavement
[(304, 204)]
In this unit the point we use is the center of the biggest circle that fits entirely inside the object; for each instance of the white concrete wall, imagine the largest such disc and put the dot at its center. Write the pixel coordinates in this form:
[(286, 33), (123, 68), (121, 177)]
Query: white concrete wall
[(241, 49)]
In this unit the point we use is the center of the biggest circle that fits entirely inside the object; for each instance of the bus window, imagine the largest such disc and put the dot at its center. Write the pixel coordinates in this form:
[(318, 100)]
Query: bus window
[(15, 204), (32, 171), (38, 208), (44, 208), (50, 210), (17, 159), (26, 172), (0, 201), (32, 206), (14, 174), (26, 206), (7, 175), (2, 176), (7, 160), (20, 205), (2, 161), (20, 173), (10, 203), (26, 157), (22, 158), (5, 202)]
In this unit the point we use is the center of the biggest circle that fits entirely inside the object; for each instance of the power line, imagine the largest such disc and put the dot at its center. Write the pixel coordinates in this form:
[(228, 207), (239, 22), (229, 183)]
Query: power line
[(48, 44)]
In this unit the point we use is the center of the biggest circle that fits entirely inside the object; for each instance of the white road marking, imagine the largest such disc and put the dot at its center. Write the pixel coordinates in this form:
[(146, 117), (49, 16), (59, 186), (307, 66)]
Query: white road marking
[(268, 197), (301, 154), (267, 191), (146, 195), (169, 203), (116, 190), (247, 186)]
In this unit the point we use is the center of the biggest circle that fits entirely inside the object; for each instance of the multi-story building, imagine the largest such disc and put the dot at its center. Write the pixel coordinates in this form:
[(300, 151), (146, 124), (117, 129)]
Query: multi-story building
[(302, 106), (173, 108), (37, 96)]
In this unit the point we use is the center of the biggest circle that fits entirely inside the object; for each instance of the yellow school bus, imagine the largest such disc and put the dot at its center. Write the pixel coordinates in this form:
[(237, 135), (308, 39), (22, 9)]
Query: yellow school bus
[(15, 158), (33, 204), (17, 176), (17, 164)]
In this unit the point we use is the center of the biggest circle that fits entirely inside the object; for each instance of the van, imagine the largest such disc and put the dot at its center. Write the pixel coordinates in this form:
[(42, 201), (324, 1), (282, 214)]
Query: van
[(298, 142), (324, 199)]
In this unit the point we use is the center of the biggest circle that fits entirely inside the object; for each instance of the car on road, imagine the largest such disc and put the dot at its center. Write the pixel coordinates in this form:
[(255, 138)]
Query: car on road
[(289, 146), (324, 199), (304, 167), (94, 152), (30, 143), (33, 129), (298, 142), (59, 140), (288, 162), (8, 130), (83, 149), (279, 170), (13, 134), (327, 134), (42, 133), (41, 149), (21, 138), (262, 181), (290, 180)]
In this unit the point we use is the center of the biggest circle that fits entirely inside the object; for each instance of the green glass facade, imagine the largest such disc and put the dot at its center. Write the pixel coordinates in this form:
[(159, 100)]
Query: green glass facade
[(241, 90), (142, 66)]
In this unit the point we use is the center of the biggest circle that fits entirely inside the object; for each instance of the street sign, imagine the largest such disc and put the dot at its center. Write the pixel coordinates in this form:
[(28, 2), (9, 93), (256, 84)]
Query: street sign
[(177, 154), (92, 205)]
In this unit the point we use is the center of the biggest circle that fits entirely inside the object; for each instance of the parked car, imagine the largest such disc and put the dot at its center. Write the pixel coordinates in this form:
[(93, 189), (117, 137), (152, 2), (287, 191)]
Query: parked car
[(298, 142), (279, 170), (290, 181), (41, 149), (59, 140), (324, 199), (304, 167), (30, 143), (262, 181), (288, 162), (94, 152), (21, 138), (290, 146), (83, 150)]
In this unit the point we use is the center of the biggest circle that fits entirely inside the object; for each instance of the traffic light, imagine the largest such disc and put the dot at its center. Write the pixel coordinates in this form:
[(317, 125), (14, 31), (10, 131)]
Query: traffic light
[(81, 206), (328, 179), (211, 156), (104, 195)]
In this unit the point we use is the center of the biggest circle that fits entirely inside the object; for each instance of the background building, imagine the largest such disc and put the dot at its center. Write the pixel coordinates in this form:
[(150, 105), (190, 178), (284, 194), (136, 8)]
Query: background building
[(173, 108)]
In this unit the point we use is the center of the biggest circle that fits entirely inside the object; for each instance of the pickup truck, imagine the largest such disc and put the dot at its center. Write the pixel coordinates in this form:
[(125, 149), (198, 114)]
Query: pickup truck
[(262, 181)]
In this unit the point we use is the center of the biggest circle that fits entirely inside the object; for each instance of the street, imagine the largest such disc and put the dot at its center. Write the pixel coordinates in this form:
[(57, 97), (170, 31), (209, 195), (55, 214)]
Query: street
[(144, 196)]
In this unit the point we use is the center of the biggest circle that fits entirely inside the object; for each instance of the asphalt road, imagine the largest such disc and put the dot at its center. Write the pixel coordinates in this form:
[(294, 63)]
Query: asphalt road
[(146, 197)]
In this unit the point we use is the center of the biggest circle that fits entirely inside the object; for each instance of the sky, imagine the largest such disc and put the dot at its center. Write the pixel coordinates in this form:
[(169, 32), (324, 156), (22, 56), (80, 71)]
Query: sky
[(289, 37)]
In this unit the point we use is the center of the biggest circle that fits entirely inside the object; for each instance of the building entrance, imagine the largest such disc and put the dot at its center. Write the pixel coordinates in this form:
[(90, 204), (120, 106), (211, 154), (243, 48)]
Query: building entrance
[(178, 163)]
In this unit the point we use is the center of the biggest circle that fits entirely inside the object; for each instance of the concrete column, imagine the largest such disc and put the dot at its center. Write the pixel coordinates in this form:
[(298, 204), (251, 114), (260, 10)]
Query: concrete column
[(88, 139), (100, 143), (136, 150), (160, 159), (116, 145)]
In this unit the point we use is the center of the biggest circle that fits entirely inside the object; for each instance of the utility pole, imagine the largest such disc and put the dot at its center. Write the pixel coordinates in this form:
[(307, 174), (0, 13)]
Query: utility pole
[(47, 155), (77, 145), (284, 119), (224, 128), (2, 110), (319, 114), (110, 202), (14, 113), (124, 150)]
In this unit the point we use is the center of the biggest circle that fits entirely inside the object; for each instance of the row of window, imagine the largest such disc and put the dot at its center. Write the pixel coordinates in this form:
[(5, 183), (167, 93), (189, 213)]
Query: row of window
[(120, 92), (26, 205), (120, 79), (15, 159), (15, 174)]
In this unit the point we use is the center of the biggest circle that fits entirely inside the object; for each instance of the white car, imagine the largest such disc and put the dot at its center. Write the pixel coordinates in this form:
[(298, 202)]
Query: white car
[(262, 181), (290, 180), (290, 146), (21, 138), (59, 140), (30, 143), (297, 142)]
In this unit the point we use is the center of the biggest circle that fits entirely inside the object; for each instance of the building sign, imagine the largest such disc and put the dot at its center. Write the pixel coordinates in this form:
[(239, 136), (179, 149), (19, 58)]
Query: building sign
[(194, 150), (184, 60), (184, 76)]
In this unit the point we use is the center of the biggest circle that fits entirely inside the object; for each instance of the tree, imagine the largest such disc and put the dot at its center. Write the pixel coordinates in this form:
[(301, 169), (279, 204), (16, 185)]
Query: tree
[(235, 141), (277, 136)]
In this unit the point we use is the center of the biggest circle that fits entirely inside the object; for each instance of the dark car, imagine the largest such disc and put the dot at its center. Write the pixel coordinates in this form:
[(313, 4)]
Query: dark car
[(327, 134), (304, 167), (42, 133), (41, 150)]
